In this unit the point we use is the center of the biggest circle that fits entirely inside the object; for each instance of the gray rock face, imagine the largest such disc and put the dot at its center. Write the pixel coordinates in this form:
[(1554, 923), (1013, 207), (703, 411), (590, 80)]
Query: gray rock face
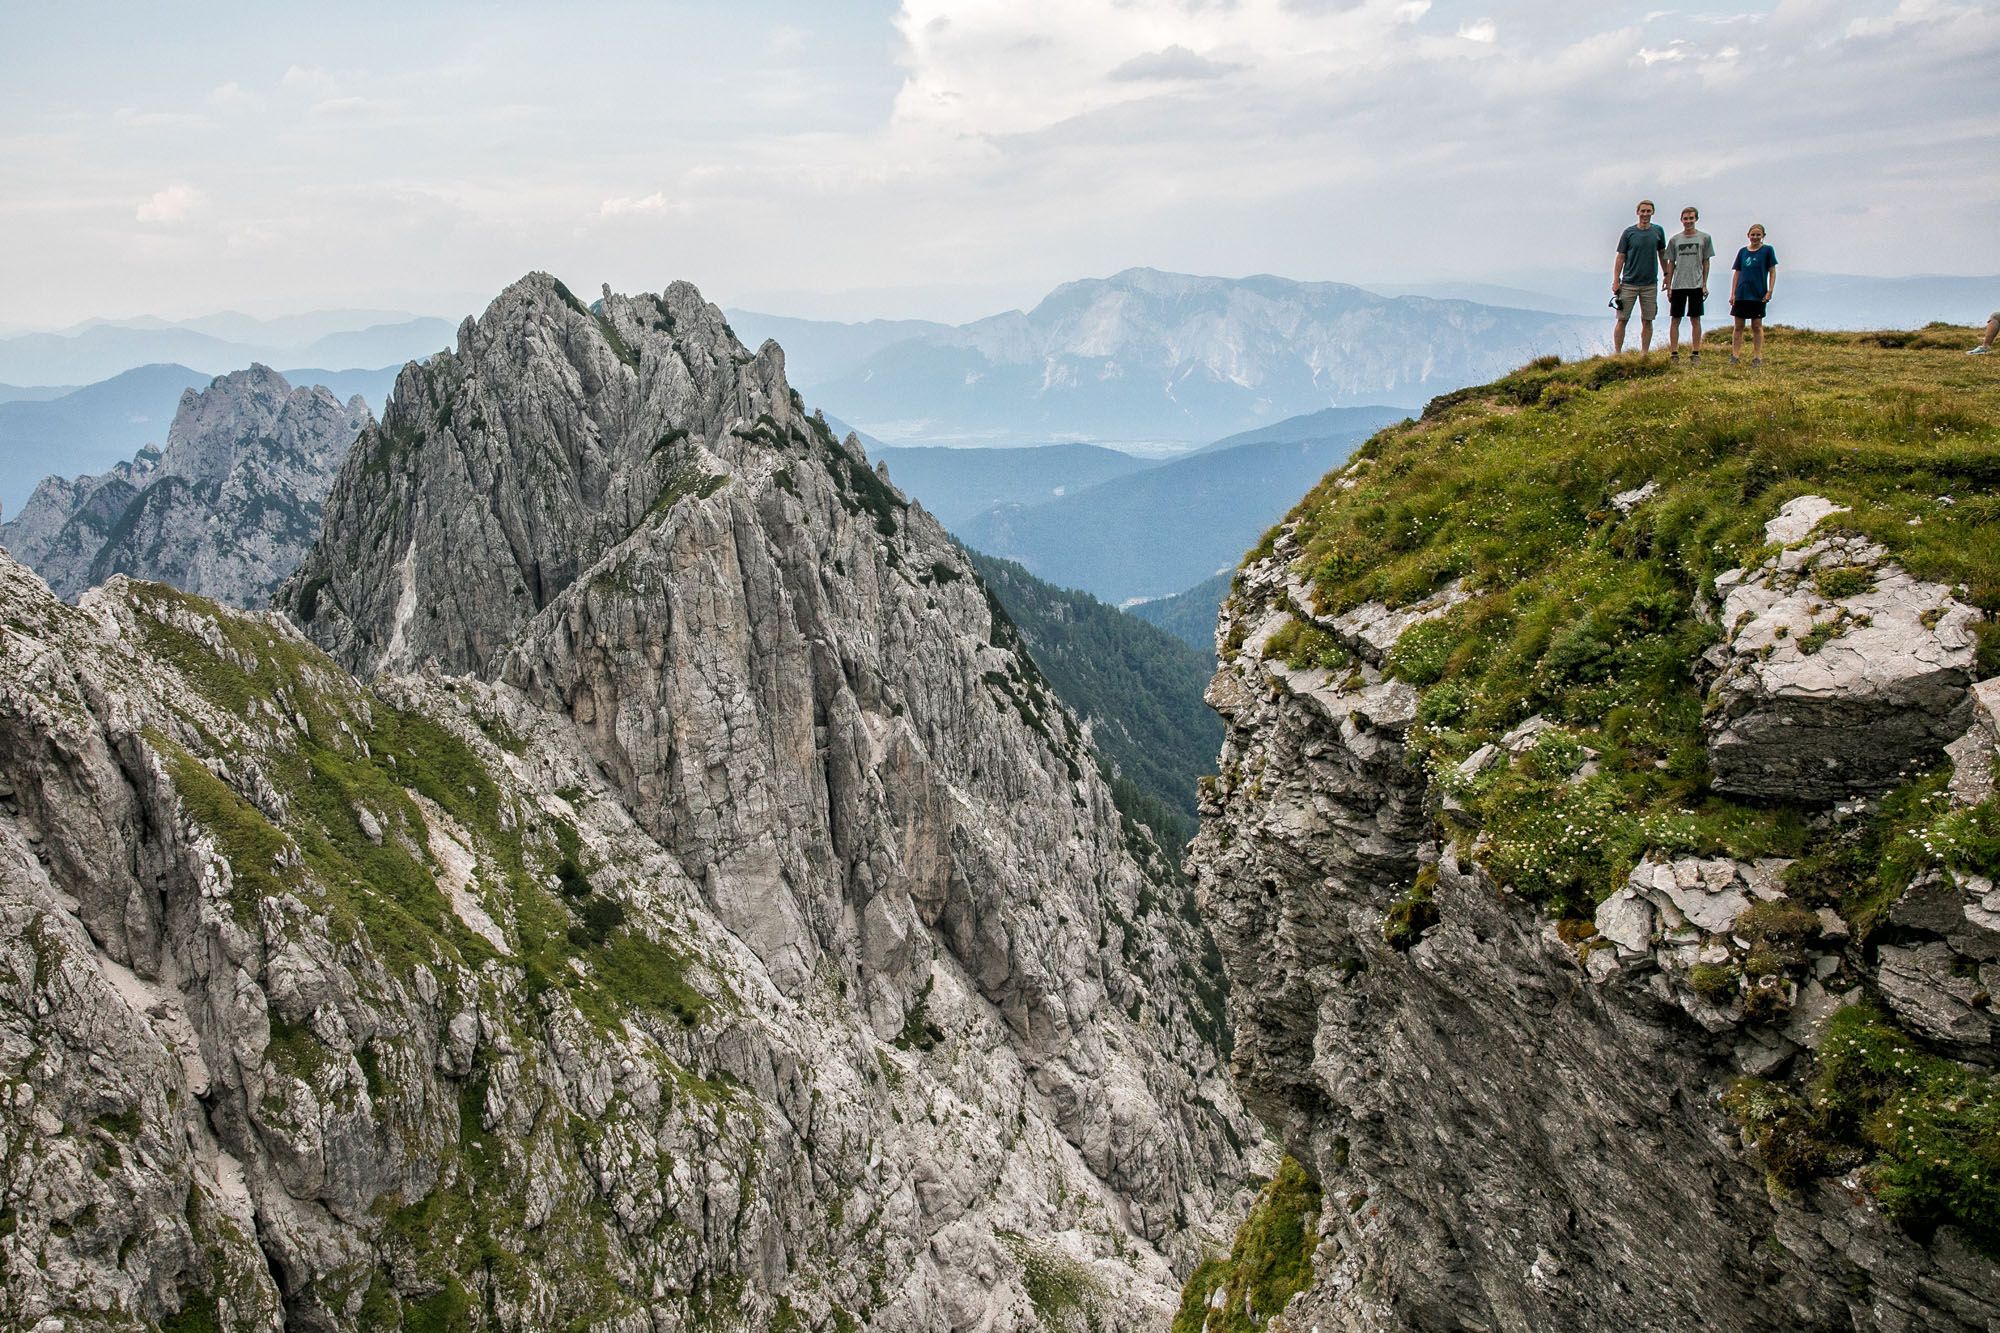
[(741, 937), (226, 510), (1840, 670), (246, 1082), (63, 526), (1515, 1130)]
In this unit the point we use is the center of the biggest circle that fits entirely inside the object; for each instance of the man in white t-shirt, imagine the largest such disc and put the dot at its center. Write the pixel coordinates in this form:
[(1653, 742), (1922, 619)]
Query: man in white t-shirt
[(1689, 253)]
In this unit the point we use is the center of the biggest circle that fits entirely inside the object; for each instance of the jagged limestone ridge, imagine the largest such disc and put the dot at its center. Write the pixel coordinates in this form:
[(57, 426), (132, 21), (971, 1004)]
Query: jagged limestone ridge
[(225, 510), (383, 994), (799, 690)]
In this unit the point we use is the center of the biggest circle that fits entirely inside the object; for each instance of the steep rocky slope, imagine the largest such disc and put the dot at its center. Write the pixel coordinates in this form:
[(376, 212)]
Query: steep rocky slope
[(736, 937), (225, 510), (1604, 848)]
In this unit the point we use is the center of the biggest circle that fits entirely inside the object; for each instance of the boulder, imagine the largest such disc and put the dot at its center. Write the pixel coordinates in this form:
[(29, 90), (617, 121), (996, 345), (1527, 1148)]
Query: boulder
[(1841, 671)]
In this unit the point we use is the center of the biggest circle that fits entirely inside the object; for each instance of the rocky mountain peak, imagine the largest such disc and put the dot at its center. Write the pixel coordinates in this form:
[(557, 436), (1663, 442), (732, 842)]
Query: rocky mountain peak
[(547, 435), (225, 509), (797, 687)]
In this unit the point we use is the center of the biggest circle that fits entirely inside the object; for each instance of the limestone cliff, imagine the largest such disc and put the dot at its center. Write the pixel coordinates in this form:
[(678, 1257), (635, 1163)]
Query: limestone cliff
[(705, 917), (1603, 854), (225, 510)]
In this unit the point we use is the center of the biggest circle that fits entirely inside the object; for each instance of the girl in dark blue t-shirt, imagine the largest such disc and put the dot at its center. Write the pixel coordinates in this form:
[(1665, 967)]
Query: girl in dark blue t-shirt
[(1752, 283)]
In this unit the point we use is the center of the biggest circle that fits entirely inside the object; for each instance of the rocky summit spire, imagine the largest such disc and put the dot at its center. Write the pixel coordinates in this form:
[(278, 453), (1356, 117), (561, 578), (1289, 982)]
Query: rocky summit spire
[(799, 689), (505, 468), (225, 510)]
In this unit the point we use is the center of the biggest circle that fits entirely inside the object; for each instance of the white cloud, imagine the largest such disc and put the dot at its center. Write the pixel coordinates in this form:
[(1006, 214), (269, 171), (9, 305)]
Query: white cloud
[(651, 205), (1485, 31), (176, 203), (159, 120), (1174, 62), (304, 79), (1667, 55)]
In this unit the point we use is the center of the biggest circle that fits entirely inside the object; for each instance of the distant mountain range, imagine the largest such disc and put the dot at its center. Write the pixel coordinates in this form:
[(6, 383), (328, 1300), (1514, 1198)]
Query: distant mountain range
[(99, 350), (1159, 530), (87, 430), (957, 484), (1147, 357), (817, 350)]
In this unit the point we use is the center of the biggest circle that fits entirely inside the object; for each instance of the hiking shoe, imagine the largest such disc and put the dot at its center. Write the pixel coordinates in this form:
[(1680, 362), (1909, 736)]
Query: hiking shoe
[(1980, 350), (1732, 358), (1756, 360), (1673, 356), (1693, 357)]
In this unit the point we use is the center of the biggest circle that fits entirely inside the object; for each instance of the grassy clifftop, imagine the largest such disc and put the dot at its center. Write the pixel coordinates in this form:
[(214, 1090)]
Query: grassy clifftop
[(1592, 617), (1595, 615)]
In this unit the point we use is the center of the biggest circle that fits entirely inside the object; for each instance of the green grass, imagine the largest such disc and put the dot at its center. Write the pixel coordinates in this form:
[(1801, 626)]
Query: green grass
[(1925, 1129), (1062, 1291), (1269, 1263), (357, 752), (1589, 617)]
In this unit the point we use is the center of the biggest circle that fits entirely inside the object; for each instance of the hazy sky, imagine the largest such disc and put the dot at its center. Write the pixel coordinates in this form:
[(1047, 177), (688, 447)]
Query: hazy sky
[(947, 158)]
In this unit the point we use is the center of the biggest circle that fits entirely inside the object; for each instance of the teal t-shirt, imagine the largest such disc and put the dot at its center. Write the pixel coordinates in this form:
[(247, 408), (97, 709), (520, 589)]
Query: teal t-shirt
[(1754, 268), (1641, 247)]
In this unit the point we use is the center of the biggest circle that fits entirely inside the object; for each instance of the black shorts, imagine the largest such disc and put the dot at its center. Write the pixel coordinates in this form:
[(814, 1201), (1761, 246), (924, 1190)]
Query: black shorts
[(1747, 309), (1691, 301)]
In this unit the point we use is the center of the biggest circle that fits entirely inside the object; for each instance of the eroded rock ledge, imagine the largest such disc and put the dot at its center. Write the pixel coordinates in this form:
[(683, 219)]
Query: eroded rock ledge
[(1519, 1122)]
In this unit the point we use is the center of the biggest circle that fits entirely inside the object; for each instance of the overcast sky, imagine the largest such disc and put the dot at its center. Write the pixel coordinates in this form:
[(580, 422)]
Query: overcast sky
[(947, 158)]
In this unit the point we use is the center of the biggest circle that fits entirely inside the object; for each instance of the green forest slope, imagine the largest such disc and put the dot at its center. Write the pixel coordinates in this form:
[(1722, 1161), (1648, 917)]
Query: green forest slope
[(1139, 687)]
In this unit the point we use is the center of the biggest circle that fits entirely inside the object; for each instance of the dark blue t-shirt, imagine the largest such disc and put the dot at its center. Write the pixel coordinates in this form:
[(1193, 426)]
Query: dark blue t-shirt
[(1755, 267)]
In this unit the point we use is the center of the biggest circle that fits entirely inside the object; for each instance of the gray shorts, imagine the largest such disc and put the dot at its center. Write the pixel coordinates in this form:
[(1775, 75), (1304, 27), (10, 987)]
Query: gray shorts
[(1645, 294)]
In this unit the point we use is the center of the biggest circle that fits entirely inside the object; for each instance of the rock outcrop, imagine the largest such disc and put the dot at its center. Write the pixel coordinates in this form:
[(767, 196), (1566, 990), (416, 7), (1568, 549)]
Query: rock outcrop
[(716, 924), (1840, 673), (226, 510), (1610, 957)]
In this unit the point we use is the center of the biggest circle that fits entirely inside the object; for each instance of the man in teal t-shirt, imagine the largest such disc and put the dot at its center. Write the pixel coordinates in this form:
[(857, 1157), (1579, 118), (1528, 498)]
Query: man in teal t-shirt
[(1635, 277)]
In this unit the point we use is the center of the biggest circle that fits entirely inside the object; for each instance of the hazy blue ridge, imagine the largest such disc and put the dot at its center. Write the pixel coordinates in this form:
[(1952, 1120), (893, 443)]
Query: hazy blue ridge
[(34, 393), (1326, 424), (1139, 687), (1189, 616), (84, 431), (1162, 530), (88, 429), (101, 351), (817, 350), (956, 484)]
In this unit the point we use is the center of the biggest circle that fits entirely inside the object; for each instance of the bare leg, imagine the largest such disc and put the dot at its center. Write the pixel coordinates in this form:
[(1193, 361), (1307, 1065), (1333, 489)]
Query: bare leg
[(1645, 335), (1694, 322), (1674, 336), (1757, 340), (1736, 339), (1992, 329), (1618, 336)]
